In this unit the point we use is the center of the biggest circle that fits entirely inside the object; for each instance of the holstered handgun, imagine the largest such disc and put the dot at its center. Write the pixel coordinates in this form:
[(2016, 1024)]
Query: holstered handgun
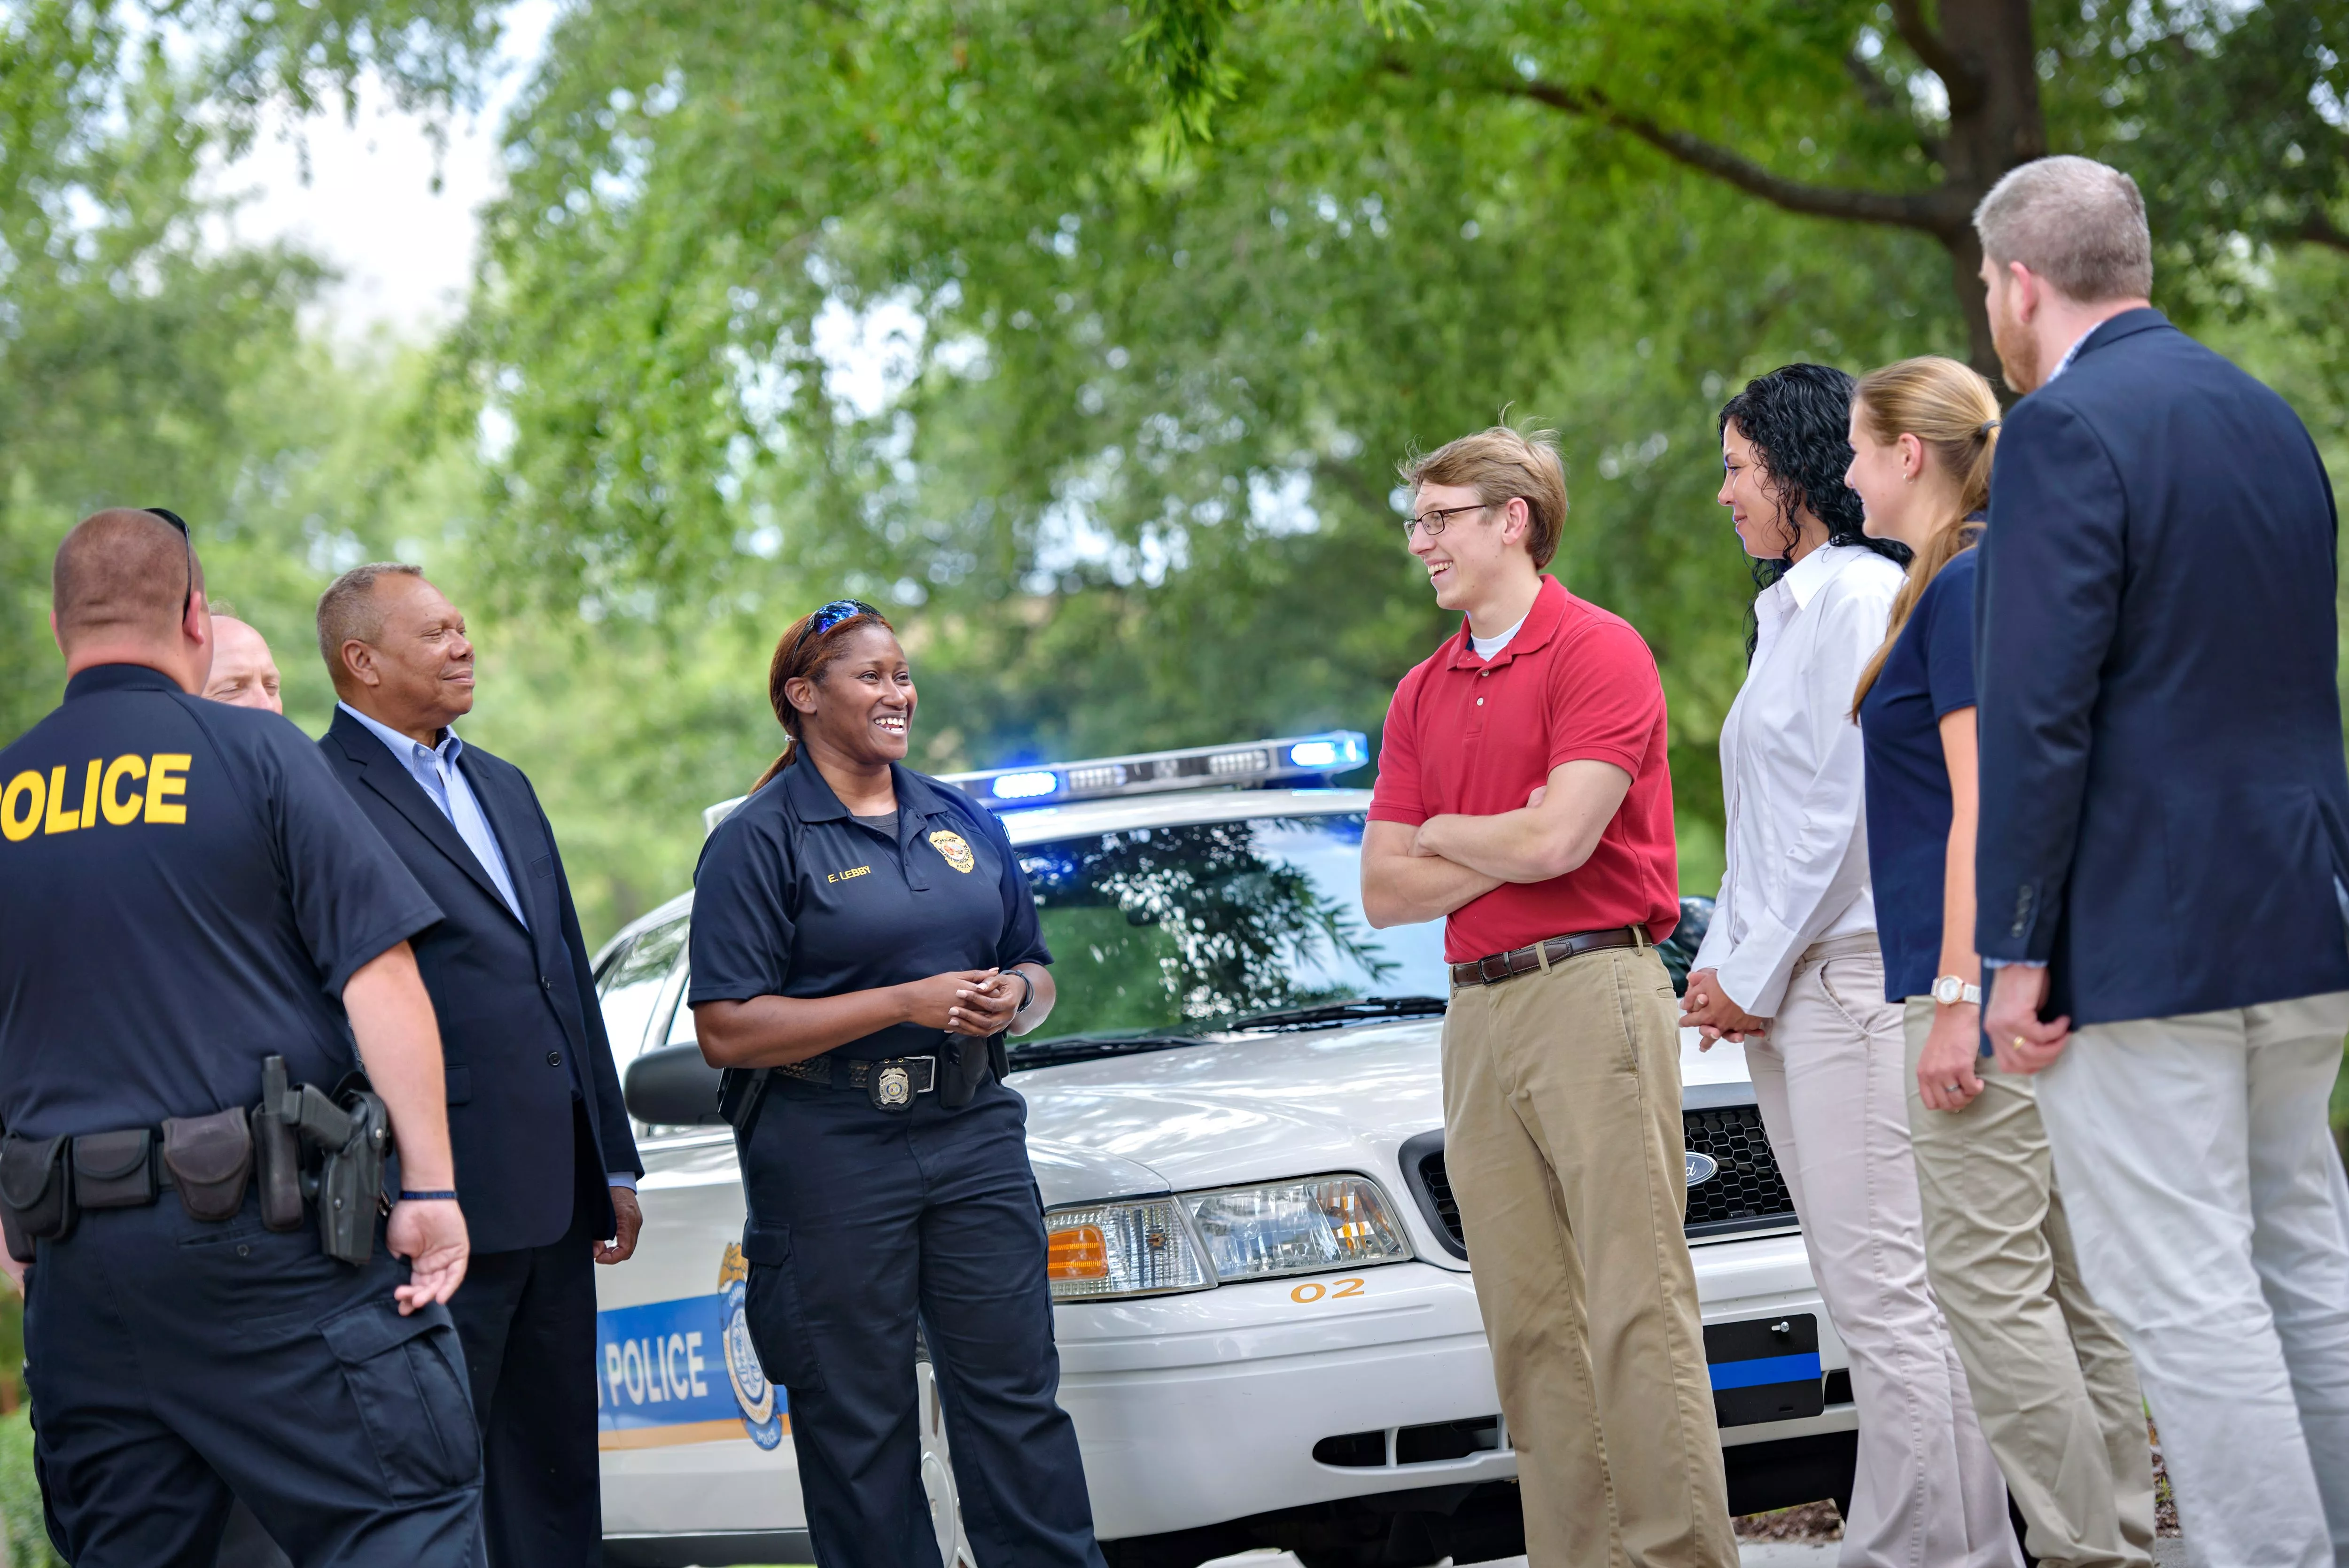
[(352, 1128)]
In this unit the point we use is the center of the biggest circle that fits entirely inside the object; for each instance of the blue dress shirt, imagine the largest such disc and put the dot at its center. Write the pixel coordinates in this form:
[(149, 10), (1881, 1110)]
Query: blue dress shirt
[(435, 770), (434, 767)]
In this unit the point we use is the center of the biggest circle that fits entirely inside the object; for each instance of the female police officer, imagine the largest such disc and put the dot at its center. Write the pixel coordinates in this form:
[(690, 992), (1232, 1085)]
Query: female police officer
[(860, 932)]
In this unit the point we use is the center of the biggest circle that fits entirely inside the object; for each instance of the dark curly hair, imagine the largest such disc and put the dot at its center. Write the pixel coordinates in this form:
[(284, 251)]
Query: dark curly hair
[(1798, 418)]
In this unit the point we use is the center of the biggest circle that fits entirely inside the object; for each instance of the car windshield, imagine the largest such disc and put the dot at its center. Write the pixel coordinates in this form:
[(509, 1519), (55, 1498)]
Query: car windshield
[(1168, 930)]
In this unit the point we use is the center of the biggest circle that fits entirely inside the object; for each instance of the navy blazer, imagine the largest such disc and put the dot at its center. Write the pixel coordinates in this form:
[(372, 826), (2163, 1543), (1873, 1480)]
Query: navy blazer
[(2164, 805), (518, 1011)]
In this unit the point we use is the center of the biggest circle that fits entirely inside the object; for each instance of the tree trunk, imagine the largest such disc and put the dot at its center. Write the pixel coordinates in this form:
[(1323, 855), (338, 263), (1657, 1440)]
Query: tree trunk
[(1985, 56)]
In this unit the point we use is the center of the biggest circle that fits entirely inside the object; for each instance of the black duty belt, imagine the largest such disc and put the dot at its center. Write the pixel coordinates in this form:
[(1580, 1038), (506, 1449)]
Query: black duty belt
[(1493, 968), (891, 1084)]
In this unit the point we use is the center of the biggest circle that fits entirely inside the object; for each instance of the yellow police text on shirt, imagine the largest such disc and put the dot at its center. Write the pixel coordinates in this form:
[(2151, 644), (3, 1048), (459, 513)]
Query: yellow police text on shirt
[(32, 803)]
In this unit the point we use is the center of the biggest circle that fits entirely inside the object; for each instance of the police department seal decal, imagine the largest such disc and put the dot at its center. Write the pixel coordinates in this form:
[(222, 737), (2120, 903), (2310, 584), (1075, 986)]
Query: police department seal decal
[(752, 1393), (894, 1087), (951, 844)]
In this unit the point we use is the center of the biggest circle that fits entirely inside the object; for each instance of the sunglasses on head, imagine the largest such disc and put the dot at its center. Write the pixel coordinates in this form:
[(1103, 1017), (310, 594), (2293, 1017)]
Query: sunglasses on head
[(832, 615), (176, 521)]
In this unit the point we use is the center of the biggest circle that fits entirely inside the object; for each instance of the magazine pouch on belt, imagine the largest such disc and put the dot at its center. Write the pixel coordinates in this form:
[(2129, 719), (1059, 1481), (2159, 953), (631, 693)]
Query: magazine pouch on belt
[(210, 1159), (35, 1193), (114, 1169)]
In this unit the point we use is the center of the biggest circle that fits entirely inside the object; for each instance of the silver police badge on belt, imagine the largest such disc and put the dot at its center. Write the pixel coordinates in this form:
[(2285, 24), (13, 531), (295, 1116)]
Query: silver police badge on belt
[(893, 1088)]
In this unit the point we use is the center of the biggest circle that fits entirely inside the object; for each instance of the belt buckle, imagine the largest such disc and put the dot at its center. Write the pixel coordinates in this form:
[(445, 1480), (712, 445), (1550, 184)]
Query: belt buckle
[(1484, 973)]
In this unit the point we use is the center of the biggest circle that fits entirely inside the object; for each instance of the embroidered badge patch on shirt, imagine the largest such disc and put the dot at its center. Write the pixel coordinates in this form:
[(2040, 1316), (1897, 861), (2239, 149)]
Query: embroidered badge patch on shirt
[(951, 845)]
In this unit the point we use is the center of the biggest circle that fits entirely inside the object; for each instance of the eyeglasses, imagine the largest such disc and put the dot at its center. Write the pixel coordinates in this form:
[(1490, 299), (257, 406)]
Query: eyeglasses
[(1431, 524), (832, 615), (176, 521)]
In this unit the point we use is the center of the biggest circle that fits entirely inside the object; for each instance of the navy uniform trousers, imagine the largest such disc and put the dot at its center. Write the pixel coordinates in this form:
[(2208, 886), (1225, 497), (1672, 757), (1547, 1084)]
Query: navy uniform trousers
[(172, 1360), (527, 1320), (859, 1218)]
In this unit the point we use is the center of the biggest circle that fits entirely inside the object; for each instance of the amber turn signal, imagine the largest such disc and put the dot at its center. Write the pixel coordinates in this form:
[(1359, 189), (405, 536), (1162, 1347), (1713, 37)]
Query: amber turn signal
[(1077, 1251)]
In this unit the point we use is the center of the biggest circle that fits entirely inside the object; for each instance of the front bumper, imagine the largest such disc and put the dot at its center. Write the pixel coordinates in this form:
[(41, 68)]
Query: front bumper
[(1194, 1409)]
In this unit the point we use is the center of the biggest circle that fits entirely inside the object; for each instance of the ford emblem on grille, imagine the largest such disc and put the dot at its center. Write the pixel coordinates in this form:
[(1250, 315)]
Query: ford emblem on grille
[(1701, 1168)]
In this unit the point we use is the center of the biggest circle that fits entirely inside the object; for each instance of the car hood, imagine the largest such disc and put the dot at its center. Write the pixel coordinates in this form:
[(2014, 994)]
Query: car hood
[(1257, 1107)]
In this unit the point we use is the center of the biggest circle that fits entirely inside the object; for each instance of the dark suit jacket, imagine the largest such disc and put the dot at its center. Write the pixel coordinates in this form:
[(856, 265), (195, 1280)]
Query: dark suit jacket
[(2164, 805), (520, 1026)]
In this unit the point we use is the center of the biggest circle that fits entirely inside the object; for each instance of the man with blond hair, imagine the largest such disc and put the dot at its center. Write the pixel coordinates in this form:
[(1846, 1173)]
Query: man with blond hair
[(1523, 796), (243, 673), (2163, 853)]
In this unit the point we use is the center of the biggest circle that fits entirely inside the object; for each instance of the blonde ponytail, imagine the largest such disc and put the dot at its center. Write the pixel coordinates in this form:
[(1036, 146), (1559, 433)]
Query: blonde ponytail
[(1953, 413)]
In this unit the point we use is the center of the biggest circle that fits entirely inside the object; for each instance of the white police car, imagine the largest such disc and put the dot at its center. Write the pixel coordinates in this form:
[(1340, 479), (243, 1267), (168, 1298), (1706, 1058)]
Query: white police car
[(1267, 1332)]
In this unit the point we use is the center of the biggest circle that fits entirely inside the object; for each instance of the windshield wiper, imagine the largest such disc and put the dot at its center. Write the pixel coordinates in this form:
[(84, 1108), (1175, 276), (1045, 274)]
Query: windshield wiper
[(1069, 1048), (1337, 1013)]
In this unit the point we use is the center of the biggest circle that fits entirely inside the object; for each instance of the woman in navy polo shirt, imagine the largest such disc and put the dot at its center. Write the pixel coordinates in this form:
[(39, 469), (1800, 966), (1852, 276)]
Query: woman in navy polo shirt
[(2052, 1384), (861, 935)]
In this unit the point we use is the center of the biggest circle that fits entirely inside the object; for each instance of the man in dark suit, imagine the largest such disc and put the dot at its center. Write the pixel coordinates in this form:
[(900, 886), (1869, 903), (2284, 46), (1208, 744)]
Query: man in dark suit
[(2164, 853), (546, 1165)]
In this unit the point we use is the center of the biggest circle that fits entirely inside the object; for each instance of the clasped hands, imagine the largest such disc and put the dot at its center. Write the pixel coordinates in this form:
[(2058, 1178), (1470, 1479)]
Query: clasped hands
[(977, 1002), (1707, 1009)]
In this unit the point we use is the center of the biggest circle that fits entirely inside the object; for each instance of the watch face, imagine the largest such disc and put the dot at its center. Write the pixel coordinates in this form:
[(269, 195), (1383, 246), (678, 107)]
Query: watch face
[(1947, 989)]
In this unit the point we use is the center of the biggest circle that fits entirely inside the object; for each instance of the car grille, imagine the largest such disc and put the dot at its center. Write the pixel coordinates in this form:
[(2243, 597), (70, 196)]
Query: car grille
[(1746, 1192)]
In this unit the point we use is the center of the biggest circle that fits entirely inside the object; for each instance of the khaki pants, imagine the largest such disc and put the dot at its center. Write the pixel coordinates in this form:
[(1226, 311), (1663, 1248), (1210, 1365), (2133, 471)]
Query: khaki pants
[(1927, 1493), (2052, 1384), (1563, 1143)]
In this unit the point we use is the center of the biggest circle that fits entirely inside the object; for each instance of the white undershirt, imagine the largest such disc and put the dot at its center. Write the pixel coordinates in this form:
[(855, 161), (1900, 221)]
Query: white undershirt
[(1488, 646)]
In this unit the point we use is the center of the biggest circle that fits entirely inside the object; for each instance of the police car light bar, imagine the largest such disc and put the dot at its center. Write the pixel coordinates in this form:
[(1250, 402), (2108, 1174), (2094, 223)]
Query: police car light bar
[(1144, 772), (1295, 757)]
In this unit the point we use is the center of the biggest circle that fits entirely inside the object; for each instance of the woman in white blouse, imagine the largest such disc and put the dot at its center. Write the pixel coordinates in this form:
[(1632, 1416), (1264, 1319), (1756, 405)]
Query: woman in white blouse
[(1790, 967)]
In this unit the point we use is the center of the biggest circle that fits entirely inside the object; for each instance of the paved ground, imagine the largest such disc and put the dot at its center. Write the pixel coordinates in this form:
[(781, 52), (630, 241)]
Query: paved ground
[(2167, 1553)]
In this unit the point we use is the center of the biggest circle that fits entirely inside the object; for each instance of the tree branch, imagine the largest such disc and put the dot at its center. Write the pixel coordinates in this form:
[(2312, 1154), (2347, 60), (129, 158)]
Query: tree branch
[(1927, 209), (1880, 96), (2318, 229), (1959, 77)]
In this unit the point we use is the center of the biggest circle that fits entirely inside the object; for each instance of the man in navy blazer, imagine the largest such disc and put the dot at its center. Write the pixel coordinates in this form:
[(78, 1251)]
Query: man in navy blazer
[(2163, 865), (546, 1164)]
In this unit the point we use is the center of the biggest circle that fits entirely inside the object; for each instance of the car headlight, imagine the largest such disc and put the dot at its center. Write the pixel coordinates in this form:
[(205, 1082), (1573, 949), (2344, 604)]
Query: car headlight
[(1297, 1227), (1138, 1246)]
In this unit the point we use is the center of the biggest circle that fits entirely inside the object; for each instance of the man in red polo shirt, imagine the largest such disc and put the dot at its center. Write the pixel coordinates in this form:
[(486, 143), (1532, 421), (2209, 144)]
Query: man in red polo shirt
[(1523, 795)]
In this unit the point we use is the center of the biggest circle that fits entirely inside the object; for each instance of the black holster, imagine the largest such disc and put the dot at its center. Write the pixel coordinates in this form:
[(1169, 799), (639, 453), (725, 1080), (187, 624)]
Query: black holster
[(36, 1198), (740, 1091), (352, 1130), (963, 1066)]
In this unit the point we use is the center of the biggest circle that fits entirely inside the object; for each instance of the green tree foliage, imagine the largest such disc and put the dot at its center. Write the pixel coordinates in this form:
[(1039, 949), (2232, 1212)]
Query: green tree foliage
[(1187, 281), (138, 365)]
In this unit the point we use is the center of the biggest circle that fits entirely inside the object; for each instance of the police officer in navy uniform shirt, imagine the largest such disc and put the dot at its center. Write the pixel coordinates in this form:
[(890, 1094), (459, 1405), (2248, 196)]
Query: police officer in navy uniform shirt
[(190, 889), (860, 932)]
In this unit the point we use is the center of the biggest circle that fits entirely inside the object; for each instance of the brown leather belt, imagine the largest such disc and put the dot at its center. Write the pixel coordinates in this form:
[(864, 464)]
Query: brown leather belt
[(1495, 968)]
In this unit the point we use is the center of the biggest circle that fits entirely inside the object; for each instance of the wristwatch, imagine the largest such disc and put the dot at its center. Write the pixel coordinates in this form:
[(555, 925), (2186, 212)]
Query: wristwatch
[(1951, 989)]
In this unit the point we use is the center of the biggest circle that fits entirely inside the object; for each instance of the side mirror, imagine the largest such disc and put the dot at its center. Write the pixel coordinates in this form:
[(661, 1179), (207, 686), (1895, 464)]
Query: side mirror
[(1679, 950), (673, 1087)]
